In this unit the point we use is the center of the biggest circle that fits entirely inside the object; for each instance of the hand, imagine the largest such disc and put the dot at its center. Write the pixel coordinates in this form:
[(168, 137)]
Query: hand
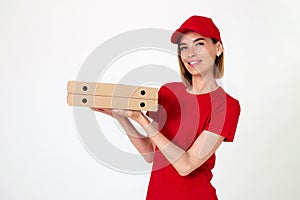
[(135, 115), (107, 111)]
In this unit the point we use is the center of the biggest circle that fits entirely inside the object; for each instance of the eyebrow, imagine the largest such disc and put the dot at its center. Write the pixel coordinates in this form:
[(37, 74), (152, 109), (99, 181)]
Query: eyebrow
[(196, 40)]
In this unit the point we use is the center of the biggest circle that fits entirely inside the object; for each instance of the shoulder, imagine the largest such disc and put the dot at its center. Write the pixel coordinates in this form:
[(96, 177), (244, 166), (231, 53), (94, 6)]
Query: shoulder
[(232, 103), (222, 100), (170, 91), (172, 87)]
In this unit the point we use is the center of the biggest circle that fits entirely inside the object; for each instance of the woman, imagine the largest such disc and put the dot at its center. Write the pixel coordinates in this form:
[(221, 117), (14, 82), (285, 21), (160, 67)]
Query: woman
[(194, 117)]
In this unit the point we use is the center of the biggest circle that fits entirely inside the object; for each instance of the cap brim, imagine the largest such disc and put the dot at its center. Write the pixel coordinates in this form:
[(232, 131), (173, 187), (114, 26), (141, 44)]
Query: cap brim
[(181, 31), (178, 33)]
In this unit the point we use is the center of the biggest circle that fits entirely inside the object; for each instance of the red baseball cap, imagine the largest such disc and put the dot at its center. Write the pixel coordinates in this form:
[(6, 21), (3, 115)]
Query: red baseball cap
[(199, 24)]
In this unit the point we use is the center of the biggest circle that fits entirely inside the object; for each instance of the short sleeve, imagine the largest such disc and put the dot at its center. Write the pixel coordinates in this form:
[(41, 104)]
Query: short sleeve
[(224, 119)]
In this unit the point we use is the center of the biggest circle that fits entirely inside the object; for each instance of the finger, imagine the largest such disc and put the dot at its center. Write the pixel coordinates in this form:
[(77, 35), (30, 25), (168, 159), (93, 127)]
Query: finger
[(116, 111), (98, 110), (95, 109), (120, 112), (109, 110)]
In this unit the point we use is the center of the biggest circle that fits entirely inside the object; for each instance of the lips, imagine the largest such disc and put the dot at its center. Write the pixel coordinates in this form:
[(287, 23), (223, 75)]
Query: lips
[(194, 62)]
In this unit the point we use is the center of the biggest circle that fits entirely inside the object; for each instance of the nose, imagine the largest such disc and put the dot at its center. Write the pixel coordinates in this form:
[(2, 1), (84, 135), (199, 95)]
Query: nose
[(191, 52)]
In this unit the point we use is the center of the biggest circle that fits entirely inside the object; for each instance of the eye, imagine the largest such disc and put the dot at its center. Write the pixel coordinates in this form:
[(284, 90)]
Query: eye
[(183, 48), (200, 44)]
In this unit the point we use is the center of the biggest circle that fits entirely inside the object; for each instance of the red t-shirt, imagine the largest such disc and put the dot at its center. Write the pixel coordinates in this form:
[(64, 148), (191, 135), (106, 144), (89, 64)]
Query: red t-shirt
[(181, 118)]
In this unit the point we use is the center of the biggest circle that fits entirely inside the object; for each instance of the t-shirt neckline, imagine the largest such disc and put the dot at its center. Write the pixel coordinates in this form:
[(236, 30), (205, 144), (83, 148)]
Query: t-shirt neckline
[(202, 94)]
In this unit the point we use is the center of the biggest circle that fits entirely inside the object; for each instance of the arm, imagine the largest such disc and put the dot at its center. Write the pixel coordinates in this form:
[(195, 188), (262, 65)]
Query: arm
[(141, 143), (183, 161)]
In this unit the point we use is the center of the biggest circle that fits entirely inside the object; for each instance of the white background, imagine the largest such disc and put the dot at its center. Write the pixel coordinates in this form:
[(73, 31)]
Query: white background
[(43, 45)]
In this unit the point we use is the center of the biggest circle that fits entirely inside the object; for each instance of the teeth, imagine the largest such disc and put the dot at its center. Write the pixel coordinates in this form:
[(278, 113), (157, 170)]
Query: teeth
[(193, 62)]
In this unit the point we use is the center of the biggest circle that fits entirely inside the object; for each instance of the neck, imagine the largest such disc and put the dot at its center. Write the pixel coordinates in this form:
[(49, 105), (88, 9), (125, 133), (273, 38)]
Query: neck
[(201, 85)]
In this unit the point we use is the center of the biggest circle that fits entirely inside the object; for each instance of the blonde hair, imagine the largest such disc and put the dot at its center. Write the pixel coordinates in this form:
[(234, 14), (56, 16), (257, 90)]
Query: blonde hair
[(186, 76)]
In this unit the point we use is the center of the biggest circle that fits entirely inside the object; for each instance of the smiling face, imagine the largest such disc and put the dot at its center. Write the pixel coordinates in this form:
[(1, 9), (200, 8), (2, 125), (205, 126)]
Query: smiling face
[(198, 53)]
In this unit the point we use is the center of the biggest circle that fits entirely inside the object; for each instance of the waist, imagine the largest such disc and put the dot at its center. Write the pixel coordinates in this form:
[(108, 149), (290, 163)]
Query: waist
[(169, 177)]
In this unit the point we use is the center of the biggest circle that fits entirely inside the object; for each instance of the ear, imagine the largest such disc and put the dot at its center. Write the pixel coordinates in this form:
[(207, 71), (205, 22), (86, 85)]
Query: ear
[(219, 49)]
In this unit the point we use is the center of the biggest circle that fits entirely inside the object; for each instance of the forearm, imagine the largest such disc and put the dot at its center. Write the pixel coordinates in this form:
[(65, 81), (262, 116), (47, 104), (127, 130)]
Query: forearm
[(174, 154), (178, 157), (183, 161), (141, 143)]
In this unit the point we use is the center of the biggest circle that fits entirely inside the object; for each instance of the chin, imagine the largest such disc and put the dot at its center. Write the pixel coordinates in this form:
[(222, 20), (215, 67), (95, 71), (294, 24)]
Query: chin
[(194, 71), (201, 73)]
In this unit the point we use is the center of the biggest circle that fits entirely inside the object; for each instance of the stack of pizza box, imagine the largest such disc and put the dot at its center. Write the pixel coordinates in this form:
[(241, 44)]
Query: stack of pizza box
[(115, 96)]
